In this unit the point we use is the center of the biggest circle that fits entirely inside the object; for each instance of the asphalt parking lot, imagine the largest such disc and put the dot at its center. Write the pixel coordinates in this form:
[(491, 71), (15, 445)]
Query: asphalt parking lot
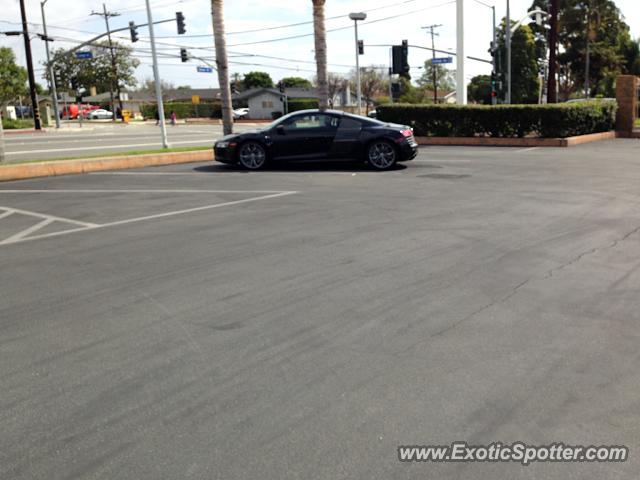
[(198, 321)]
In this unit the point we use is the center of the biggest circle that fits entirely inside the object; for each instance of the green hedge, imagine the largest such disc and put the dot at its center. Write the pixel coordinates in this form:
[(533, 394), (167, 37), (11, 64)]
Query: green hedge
[(184, 110), (8, 124), (548, 121), (302, 104)]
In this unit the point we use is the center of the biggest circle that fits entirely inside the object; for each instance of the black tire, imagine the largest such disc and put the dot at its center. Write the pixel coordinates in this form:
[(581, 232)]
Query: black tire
[(252, 155), (381, 155)]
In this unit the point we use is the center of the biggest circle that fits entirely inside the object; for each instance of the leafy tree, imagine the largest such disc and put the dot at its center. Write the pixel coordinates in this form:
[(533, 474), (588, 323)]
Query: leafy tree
[(297, 82), (13, 78), (149, 85), (525, 68), (612, 50), (479, 89), (444, 77), (97, 71), (257, 80), (373, 81)]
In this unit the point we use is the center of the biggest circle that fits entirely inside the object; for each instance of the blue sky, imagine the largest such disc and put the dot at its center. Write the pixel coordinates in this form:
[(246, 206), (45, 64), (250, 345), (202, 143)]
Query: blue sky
[(71, 22)]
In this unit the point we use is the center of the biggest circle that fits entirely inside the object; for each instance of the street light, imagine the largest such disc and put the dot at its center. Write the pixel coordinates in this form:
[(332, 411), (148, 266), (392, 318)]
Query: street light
[(52, 79), (355, 17)]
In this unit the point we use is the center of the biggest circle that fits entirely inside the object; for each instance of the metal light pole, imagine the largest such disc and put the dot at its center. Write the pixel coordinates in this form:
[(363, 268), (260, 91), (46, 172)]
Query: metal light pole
[(355, 17), (461, 90), (156, 79), (52, 78), (508, 41), (32, 80)]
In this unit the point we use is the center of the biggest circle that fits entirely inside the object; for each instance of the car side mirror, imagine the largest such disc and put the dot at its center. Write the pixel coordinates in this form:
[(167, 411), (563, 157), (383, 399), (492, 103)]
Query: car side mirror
[(280, 129)]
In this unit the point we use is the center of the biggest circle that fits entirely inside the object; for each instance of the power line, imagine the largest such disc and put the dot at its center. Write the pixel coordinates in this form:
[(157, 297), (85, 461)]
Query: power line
[(292, 37), (298, 24)]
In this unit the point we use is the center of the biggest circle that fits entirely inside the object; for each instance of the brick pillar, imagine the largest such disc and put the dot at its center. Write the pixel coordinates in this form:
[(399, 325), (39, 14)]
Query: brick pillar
[(627, 97)]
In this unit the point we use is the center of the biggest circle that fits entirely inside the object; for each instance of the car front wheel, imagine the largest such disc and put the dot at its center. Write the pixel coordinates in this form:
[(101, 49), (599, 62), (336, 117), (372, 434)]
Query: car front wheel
[(381, 155), (252, 156)]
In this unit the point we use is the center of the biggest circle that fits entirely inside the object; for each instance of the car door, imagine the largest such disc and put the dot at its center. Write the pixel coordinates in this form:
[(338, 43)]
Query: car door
[(346, 142), (307, 136)]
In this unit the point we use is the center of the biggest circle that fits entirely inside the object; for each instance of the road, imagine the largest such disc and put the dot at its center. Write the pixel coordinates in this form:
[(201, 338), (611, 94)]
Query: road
[(198, 321), (100, 138)]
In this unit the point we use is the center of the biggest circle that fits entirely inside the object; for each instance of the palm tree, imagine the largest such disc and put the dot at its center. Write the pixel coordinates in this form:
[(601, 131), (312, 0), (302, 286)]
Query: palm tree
[(222, 65), (321, 52)]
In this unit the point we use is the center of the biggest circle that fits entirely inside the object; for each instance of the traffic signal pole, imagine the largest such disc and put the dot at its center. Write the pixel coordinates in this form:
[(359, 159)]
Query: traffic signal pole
[(32, 80)]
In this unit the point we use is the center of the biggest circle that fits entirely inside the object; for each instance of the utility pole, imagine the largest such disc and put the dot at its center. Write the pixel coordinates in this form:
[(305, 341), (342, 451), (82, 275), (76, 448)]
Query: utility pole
[(431, 28), (508, 41), (32, 80), (587, 68), (552, 95), (494, 59), (461, 88), (114, 70), (52, 78), (156, 79)]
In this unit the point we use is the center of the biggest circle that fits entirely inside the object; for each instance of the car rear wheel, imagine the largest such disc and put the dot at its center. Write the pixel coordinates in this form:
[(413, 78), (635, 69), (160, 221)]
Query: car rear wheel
[(381, 155), (252, 156)]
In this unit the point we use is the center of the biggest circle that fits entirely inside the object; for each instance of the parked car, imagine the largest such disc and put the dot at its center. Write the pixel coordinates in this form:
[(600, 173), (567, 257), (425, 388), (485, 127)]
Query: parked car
[(239, 113), (100, 113), (314, 135)]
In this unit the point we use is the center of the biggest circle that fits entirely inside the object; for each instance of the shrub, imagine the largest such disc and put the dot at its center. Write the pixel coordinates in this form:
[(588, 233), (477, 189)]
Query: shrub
[(184, 110), (8, 124), (549, 121), (302, 104)]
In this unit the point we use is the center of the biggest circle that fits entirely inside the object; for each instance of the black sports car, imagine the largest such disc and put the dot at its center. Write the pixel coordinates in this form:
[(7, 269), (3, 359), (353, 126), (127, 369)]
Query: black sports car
[(314, 135)]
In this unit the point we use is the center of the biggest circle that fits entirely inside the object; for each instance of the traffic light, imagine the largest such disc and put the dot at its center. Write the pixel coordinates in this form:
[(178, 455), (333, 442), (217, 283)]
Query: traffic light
[(57, 77), (360, 47), (134, 32), (180, 21), (400, 55), (494, 84), (184, 56), (75, 85), (396, 90), (281, 86)]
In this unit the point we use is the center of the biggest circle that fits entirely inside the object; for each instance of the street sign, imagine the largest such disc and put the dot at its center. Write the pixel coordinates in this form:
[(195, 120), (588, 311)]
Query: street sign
[(195, 99), (441, 60), (84, 55), (205, 69)]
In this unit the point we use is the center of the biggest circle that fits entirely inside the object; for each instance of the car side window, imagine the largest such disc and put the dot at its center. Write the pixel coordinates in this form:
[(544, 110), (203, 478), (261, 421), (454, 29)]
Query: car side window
[(312, 120)]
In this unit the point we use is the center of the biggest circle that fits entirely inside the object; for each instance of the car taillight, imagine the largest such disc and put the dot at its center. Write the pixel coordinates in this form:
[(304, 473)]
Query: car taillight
[(407, 132)]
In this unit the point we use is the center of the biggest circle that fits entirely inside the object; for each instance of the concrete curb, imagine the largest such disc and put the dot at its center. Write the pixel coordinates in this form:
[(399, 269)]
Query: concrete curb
[(516, 142), (65, 167)]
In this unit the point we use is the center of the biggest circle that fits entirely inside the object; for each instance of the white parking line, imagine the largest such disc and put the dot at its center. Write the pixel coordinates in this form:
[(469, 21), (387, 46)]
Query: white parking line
[(112, 147), (28, 231), (141, 219), (530, 149), (6, 213), (132, 190), (51, 217)]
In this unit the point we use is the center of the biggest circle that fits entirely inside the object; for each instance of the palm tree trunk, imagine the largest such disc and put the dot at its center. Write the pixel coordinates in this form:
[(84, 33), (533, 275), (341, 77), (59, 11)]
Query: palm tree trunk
[(321, 52), (222, 65)]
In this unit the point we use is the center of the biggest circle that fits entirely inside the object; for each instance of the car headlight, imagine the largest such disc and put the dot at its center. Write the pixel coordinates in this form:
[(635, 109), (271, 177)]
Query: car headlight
[(222, 144)]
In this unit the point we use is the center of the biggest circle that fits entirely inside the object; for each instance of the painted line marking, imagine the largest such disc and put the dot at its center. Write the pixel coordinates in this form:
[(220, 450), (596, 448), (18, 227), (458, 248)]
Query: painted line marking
[(150, 217), (134, 190), (530, 149), (112, 147), (52, 217), (6, 213), (24, 233)]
